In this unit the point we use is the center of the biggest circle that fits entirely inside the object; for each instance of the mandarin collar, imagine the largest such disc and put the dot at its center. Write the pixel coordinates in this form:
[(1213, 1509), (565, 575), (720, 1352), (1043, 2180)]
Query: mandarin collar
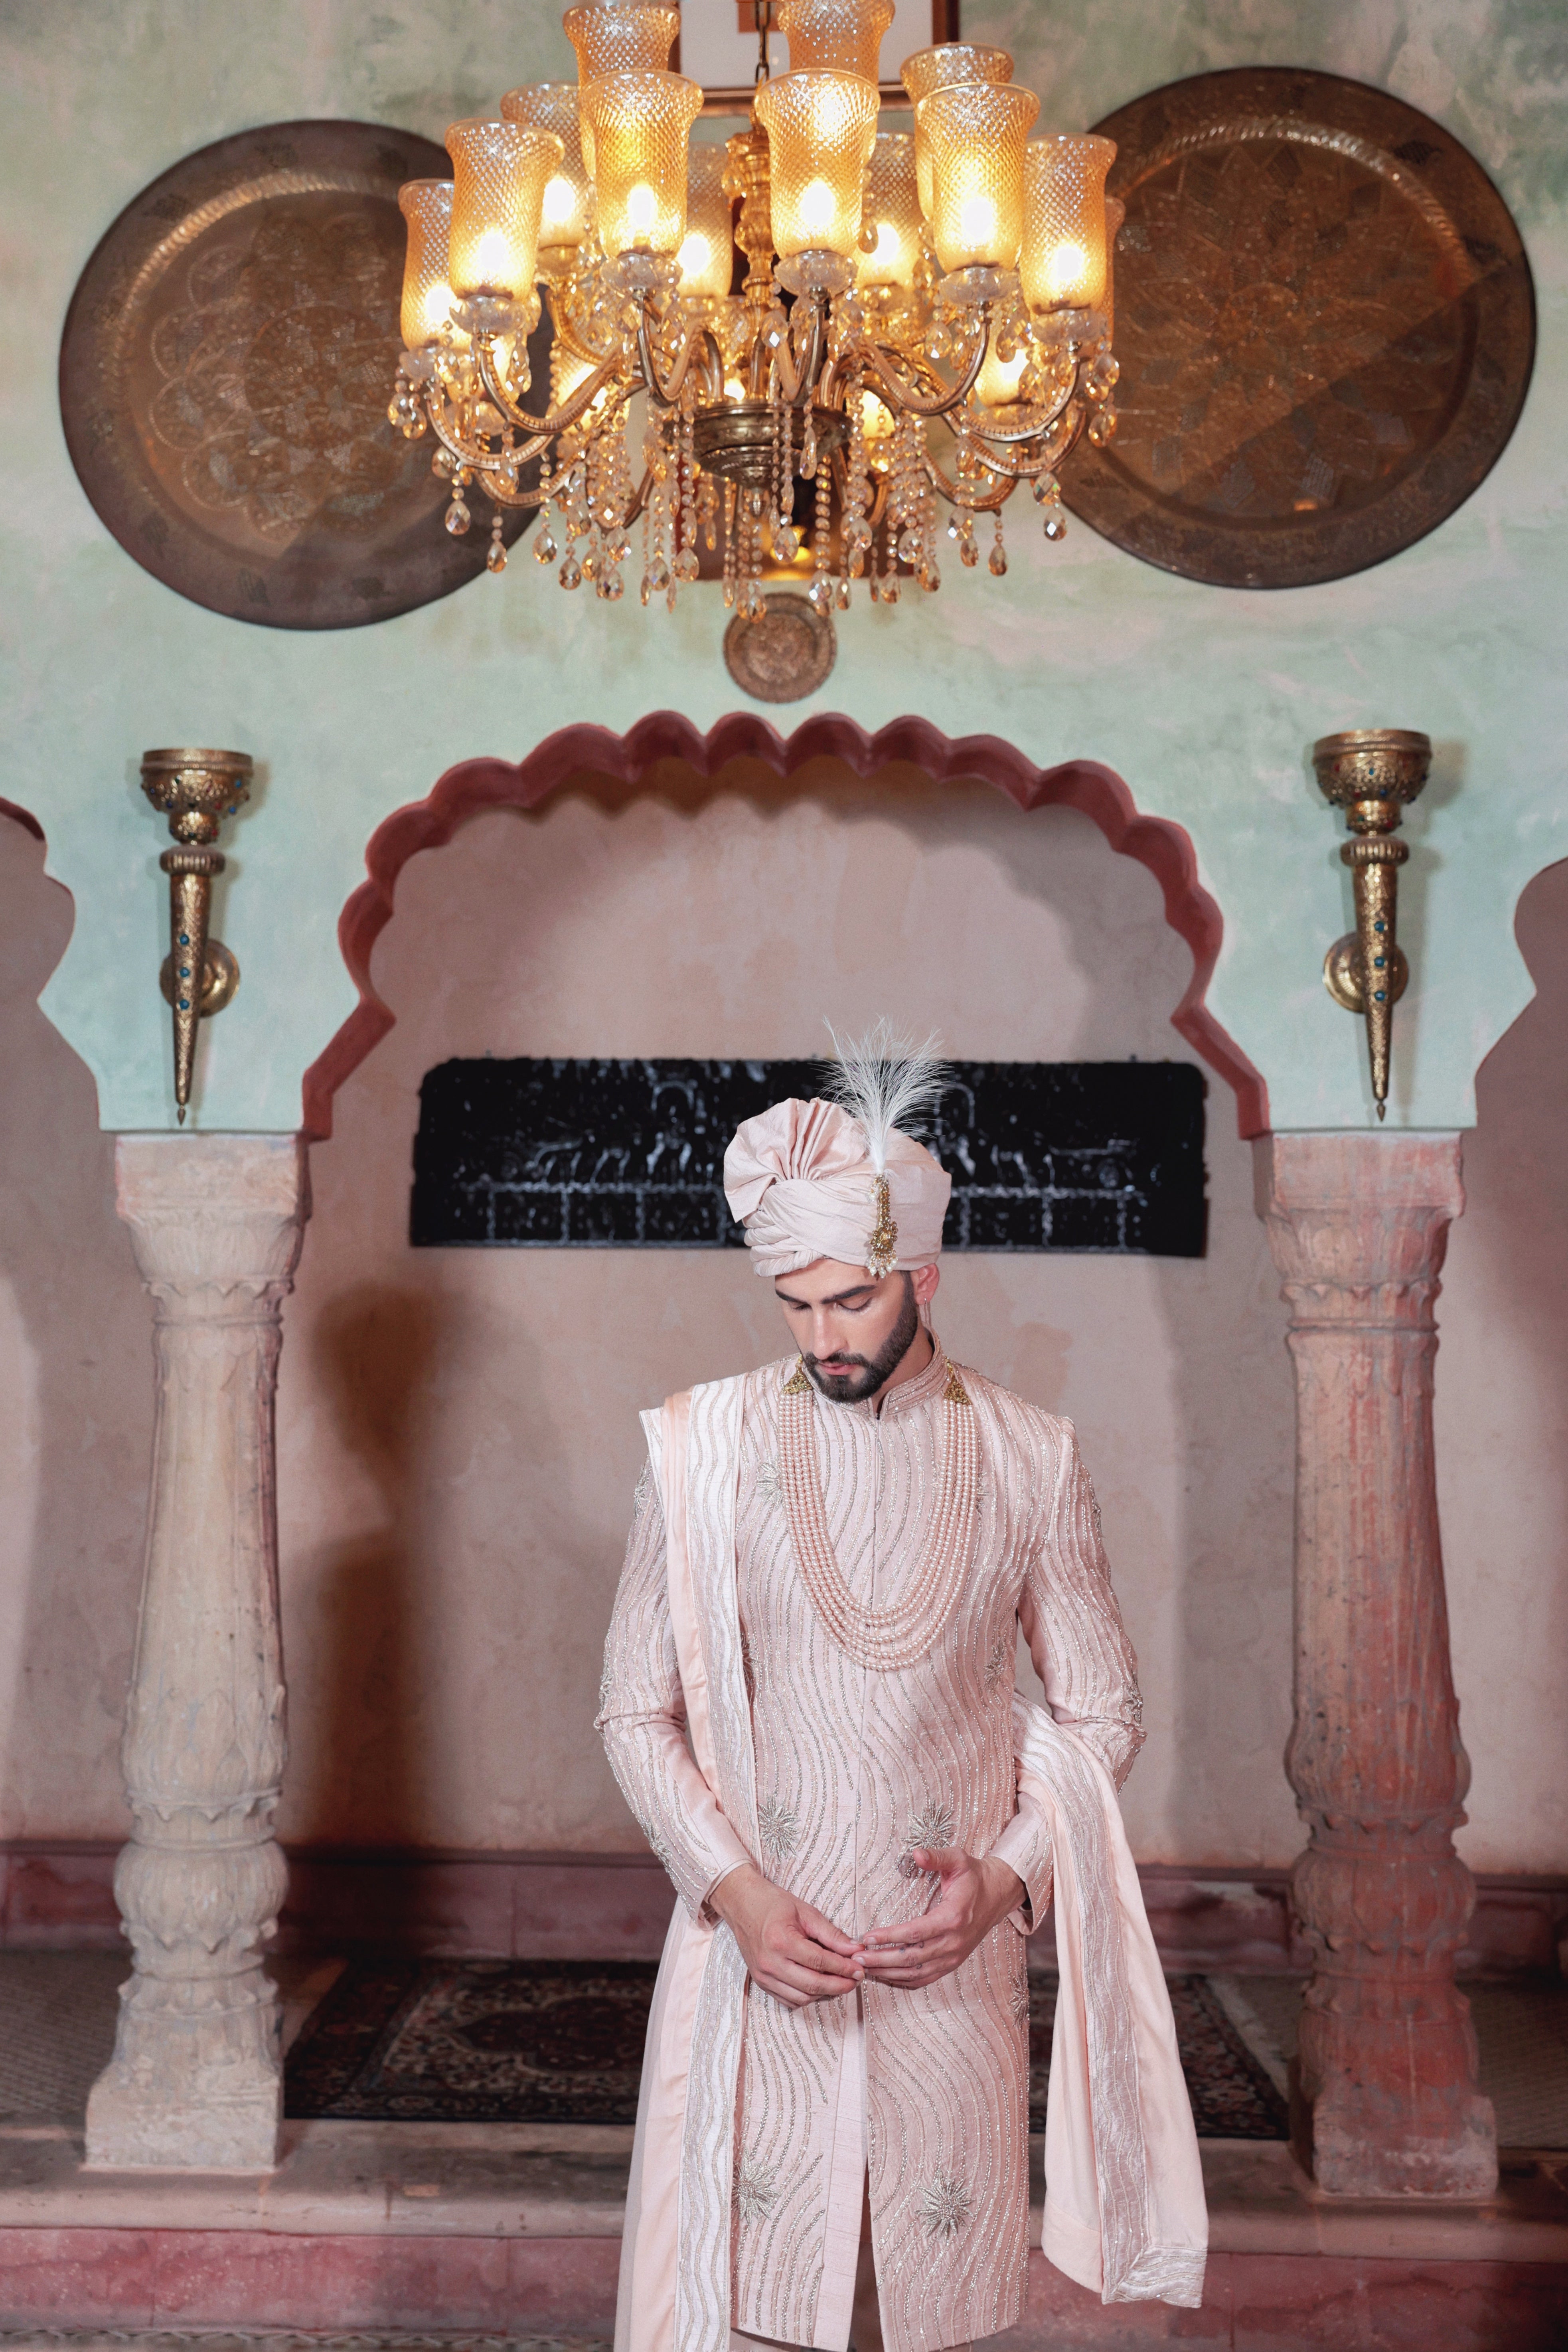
[(923, 1389)]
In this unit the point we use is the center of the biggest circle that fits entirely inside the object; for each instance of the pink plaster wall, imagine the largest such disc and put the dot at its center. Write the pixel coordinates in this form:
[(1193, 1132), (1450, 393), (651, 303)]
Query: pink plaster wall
[(459, 1431), (457, 1428)]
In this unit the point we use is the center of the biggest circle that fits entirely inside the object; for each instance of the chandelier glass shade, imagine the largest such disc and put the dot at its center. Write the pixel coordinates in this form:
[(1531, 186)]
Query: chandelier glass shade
[(810, 335)]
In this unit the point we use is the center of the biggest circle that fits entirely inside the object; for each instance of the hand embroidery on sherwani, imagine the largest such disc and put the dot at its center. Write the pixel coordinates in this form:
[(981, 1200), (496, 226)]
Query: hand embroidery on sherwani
[(767, 1482), (945, 2205), (1004, 1653), (778, 1827), (1019, 2000), (933, 1825), (755, 2188)]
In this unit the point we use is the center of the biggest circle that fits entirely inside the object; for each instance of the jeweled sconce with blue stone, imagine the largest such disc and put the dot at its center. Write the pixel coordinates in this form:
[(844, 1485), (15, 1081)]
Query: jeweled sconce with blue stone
[(1373, 774), (196, 790)]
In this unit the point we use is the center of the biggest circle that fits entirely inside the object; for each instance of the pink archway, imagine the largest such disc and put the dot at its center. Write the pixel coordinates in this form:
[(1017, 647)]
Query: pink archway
[(477, 784)]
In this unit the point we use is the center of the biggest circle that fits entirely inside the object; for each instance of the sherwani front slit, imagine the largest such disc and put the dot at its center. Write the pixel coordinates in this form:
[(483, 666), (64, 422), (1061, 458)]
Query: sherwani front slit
[(826, 1773)]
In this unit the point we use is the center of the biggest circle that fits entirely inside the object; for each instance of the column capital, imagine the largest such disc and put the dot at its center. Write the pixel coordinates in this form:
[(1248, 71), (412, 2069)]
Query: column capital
[(1353, 1168), (216, 1221)]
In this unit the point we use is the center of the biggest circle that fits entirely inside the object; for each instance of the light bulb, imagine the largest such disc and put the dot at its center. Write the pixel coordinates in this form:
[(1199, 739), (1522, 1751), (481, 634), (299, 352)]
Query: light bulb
[(642, 209), (559, 206), (977, 220), (1066, 270), (694, 255), (818, 206)]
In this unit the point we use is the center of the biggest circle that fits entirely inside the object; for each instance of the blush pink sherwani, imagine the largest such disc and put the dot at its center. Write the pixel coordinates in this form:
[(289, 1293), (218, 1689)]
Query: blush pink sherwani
[(758, 2124)]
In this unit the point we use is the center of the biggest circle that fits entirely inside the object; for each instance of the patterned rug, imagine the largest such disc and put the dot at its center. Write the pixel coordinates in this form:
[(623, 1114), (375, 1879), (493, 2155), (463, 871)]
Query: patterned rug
[(562, 2041)]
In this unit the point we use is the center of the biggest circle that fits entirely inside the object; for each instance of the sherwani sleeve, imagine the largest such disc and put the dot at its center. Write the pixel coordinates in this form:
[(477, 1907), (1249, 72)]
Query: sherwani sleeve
[(643, 1719), (1081, 1652)]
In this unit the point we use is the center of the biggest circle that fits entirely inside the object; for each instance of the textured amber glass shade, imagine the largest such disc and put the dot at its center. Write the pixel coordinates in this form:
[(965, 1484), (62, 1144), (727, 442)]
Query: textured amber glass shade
[(940, 68), (639, 123), (426, 205), (975, 135), (819, 127), (844, 35), (893, 209), (707, 251), (617, 36), (552, 106), (1062, 265), (1115, 214), (499, 173)]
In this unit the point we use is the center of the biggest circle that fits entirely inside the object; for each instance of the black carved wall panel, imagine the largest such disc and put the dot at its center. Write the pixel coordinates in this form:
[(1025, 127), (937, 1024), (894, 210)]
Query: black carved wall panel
[(629, 1155)]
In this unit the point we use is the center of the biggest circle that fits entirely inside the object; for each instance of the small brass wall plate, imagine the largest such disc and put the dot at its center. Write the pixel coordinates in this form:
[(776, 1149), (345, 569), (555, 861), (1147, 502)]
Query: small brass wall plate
[(220, 978), (786, 654)]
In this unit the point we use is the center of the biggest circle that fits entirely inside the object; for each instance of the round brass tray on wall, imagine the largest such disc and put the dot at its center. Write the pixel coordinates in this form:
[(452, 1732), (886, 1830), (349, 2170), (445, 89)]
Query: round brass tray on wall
[(1325, 324), (224, 372)]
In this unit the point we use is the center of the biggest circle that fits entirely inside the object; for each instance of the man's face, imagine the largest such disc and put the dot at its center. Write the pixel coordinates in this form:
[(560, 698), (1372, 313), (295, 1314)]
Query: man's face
[(853, 1332)]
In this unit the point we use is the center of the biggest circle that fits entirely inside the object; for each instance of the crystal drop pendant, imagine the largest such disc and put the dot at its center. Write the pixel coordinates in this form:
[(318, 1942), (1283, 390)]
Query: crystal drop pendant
[(1055, 525), (997, 561), (571, 572), (457, 517), (495, 557), (786, 542), (841, 594), (545, 549)]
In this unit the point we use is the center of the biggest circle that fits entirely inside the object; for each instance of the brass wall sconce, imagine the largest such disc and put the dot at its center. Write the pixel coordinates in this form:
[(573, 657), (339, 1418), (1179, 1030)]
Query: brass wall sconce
[(196, 790), (1373, 774)]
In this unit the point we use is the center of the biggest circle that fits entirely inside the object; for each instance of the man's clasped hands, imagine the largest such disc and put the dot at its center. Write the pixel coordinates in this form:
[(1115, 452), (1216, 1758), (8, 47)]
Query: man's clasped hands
[(799, 1957)]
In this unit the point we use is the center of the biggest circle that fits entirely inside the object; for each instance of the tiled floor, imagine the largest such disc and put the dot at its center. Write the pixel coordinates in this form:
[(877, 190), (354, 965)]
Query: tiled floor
[(58, 2011)]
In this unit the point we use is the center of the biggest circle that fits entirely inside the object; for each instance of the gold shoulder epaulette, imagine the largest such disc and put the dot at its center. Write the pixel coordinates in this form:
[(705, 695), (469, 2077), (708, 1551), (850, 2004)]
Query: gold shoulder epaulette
[(955, 1392)]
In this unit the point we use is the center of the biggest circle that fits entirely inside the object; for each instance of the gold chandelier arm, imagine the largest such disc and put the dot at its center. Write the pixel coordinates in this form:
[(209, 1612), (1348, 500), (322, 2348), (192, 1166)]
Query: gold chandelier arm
[(898, 395), (569, 331), (449, 436), (1029, 469), (1041, 418), (700, 343), (560, 420), (973, 500), (514, 498), (796, 374)]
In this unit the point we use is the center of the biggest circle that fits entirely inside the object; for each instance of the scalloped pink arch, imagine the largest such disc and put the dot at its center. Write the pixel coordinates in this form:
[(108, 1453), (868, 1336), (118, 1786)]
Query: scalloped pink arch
[(474, 785)]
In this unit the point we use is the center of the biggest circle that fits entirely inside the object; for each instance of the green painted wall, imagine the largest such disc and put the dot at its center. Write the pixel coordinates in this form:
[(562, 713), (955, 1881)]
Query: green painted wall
[(1205, 700)]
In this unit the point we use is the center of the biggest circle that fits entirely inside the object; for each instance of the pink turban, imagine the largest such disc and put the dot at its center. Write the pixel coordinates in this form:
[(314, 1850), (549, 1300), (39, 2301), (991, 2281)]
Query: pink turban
[(801, 1175)]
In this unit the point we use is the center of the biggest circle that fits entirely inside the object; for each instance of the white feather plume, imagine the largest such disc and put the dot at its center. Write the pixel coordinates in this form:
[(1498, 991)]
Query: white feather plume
[(885, 1081)]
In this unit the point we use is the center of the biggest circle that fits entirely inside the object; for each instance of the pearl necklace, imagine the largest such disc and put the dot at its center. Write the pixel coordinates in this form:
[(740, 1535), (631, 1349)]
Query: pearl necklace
[(882, 1640)]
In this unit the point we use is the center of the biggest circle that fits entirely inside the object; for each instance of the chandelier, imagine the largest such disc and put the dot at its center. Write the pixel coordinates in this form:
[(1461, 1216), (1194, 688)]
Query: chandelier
[(921, 316)]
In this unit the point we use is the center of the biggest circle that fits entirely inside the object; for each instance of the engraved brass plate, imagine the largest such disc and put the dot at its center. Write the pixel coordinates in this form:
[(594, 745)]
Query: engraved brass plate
[(1325, 324), (786, 654), (224, 372)]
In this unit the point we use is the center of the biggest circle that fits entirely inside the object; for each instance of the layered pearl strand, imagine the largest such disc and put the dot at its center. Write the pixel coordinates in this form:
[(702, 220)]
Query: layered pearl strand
[(883, 1641)]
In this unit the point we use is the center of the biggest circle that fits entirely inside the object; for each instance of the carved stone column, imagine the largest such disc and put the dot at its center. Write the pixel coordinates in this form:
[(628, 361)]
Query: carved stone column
[(1385, 2098), (217, 1224)]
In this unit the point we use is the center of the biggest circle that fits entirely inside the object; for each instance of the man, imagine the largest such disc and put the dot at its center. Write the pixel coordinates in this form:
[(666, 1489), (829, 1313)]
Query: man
[(829, 1564)]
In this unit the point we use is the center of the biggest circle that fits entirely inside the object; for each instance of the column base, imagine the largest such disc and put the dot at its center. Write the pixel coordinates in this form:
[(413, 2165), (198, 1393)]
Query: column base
[(196, 2085), (133, 2125), (1358, 2141)]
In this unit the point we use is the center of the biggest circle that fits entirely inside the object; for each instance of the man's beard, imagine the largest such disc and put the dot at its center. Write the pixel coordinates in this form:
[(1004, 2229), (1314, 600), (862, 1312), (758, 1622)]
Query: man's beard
[(874, 1372)]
